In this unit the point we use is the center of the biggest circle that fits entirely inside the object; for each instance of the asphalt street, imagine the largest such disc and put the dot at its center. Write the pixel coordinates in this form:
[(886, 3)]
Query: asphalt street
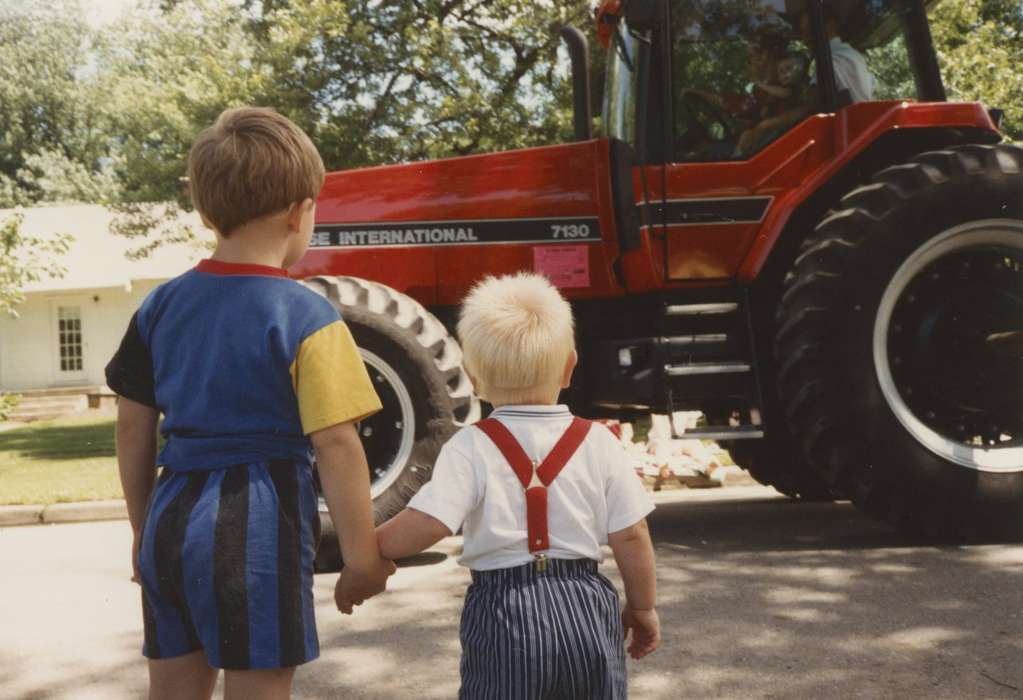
[(761, 597)]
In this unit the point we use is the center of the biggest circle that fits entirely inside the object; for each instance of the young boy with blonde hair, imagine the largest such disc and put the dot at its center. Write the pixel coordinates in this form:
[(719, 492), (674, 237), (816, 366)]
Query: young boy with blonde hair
[(253, 374), (536, 492)]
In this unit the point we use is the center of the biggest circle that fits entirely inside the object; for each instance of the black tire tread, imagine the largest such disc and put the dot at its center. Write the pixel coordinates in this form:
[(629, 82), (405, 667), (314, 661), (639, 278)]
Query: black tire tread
[(813, 291), (411, 316)]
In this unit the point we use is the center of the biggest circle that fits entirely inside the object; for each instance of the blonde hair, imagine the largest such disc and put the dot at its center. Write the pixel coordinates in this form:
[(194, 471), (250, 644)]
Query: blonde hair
[(250, 163), (517, 334)]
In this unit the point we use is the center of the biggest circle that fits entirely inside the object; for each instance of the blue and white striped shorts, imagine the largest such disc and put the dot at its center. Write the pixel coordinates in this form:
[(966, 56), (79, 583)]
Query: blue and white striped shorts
[(226, 563), (552, 634)]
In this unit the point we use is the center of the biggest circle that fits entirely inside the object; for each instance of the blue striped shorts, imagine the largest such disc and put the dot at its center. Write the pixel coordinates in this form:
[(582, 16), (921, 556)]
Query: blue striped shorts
[(226, 562), (553, 634)]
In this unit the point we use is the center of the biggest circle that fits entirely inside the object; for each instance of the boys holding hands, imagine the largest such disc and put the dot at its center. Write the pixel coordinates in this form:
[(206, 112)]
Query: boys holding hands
[(253, 373), (536, 493)]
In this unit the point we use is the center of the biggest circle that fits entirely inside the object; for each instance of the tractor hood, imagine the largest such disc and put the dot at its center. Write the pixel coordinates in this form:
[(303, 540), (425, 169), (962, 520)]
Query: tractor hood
[(410, 225), (523, 185)]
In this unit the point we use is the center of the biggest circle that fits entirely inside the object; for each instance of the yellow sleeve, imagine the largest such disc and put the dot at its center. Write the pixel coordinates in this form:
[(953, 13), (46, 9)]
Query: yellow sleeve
[(331, 381)]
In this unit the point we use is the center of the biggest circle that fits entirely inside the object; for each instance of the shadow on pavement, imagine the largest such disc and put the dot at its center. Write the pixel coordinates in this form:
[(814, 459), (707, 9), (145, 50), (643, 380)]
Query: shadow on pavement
[(774, 598), (769, 524), (422, 559)]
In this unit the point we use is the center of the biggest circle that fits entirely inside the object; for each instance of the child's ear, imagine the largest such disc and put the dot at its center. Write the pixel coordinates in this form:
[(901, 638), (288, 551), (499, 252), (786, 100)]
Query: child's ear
[(296, 212), (573, 360)]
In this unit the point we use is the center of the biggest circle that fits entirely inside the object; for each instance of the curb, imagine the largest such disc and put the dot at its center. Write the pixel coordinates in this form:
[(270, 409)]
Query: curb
[(91, 511), (86, 511), (21, 515)]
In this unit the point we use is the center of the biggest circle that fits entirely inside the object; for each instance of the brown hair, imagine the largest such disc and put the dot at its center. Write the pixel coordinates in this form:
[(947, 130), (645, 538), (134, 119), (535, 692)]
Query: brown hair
[(250, 163)]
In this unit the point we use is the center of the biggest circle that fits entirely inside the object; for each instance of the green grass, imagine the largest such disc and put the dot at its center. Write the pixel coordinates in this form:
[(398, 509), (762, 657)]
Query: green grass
[(58, 462)]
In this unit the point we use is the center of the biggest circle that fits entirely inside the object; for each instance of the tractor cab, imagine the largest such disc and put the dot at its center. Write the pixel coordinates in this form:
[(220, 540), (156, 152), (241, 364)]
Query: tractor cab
[(726, 79), (736, 111)]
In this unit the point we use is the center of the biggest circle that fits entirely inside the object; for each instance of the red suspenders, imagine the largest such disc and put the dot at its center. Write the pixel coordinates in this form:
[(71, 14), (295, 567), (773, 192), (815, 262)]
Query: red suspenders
[(535, 479)]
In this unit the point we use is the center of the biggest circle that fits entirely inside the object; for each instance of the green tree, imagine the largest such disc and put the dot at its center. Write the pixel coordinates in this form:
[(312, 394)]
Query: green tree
[(25, 259), (980, 48), (370, 82), (53, 136)]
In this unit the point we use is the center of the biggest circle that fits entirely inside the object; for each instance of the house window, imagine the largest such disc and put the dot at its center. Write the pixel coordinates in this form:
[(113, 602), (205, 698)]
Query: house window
[(69, 325)]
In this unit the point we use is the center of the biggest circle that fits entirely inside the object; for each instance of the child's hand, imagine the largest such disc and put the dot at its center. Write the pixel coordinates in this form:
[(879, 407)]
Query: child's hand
[(646, 631), (355, 586)]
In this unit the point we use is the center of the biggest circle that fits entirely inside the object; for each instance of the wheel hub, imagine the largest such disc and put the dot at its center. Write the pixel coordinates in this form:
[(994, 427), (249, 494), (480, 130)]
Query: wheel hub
[(939, 345)]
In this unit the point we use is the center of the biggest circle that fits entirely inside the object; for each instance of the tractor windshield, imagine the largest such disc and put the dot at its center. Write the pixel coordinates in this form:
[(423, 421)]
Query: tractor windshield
[(744, 72)]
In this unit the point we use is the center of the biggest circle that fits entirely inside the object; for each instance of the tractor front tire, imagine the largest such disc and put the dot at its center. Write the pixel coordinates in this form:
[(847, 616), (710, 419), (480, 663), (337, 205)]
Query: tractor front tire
[(900, 371), (416, 368)]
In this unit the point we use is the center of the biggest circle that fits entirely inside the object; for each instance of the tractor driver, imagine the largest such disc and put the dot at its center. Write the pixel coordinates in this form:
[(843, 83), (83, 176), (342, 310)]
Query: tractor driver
[(851, 75)]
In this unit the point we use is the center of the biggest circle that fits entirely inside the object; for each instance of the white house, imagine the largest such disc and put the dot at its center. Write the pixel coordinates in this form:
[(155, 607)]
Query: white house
[(68, 328)]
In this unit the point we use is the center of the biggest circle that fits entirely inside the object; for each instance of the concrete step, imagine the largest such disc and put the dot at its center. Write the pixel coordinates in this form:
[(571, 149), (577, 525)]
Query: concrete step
[(46, 408), (53, 403), (61, 400), (63, 391)]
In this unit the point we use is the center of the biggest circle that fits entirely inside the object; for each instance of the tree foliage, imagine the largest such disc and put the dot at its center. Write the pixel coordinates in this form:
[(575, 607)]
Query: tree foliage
[(108, 115), (980, 48), (25, 259), (53, 136), (370, 82)]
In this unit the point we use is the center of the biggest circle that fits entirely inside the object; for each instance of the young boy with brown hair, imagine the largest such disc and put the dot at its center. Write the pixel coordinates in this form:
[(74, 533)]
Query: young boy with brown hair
[(536, 492), (254, 374)]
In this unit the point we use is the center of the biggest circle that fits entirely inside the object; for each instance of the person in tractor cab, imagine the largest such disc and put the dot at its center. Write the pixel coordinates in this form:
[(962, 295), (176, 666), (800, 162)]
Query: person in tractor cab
[(852, 77), (536, 492), (776, 73)]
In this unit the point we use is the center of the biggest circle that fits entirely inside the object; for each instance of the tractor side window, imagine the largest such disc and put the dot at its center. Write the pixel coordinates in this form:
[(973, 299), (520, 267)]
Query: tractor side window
[(879, 31), (735, 65)]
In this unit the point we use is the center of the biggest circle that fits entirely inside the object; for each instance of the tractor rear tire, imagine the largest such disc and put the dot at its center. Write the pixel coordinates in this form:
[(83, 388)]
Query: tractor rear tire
[(779, 463), (416, 367), (889, 374)]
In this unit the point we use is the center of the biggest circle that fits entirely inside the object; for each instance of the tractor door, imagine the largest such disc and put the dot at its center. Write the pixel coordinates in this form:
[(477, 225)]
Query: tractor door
[(733, 86)]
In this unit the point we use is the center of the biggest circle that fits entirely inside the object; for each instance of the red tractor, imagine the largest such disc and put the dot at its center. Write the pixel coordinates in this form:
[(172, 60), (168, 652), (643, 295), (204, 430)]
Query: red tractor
[(782, 223)]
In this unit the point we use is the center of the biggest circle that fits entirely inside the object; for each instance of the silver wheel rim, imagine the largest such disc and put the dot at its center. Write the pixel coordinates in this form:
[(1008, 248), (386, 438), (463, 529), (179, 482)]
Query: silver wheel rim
[(408, 429), (408, 419), (1006, 233)]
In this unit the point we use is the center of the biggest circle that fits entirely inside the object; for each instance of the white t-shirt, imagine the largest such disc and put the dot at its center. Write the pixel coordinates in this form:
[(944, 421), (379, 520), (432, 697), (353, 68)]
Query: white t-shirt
[(474, 487), (851, 71)]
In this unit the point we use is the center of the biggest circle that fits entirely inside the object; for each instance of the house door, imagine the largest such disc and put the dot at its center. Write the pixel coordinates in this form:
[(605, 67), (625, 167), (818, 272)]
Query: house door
[(69, 348)]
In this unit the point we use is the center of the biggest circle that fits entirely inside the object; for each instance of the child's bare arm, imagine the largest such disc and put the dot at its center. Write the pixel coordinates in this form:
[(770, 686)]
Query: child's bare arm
[(136, 455), (344, 476), (634, 554), (136, 462), (410, 532)]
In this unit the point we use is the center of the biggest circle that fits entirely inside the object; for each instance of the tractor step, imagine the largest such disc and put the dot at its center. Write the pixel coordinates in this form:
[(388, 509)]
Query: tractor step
[(708, 363), (739, 432), (683, 350), (696, 368), (700, 309), (696, 339)]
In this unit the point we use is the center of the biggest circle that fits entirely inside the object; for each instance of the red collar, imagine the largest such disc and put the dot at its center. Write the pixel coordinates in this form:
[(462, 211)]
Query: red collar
[(216, 267)]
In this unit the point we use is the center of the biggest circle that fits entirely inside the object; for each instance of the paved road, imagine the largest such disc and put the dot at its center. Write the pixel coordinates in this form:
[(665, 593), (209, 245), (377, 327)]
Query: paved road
[(761, 598)]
